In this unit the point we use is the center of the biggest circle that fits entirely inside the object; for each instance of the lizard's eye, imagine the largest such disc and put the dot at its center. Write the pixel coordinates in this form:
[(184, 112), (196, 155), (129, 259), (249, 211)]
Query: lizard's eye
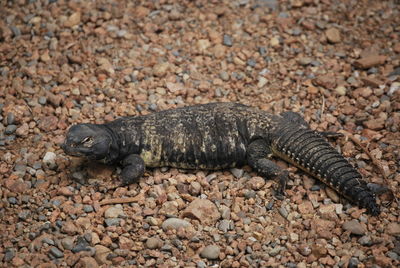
[(87, 142)]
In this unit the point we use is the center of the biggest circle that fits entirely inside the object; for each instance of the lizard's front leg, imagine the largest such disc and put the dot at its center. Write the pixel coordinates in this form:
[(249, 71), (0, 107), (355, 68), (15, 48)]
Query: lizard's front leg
[(133, 168), (257, 153)]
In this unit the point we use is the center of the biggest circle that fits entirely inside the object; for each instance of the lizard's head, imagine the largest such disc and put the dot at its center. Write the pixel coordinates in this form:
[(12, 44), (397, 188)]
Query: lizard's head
[(88, 140)]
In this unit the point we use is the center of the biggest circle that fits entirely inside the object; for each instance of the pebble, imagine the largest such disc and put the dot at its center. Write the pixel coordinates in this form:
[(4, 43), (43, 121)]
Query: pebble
[(237, 172), (365, 240), (227, 40), (73, 20), (114, 212), (202, 209), (9, 254), (67, 243), (175, 223), (354, 227), (393, 228), (210, 252), (56, 252), (370, 61), (224, 76), (160, 69), (224, 225), (333, 35), (341, 90), (49, 160), (87, 208), (262, 81), (154, 243), (10, 129), (112, 221)]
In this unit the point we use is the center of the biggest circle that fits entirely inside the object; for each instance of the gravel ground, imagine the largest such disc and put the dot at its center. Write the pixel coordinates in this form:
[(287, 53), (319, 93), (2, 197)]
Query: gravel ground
[(65, 62)]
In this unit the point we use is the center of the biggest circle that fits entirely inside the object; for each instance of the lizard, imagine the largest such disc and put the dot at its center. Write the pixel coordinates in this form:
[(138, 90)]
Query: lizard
[(217, 136)]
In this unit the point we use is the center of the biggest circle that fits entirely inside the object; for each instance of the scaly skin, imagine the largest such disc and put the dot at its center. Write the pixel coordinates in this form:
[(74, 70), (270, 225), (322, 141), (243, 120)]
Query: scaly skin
[(216, 136)]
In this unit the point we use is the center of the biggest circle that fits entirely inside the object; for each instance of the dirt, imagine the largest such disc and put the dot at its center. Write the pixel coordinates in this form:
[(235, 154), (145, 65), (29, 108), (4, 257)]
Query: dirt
[(65, 62)]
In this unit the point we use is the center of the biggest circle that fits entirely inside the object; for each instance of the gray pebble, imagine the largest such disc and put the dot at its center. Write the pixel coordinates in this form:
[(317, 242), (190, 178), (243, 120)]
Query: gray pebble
[(353, 263), (112, 221), (48, 241), (283, 212), (15, 30), (270, 205), (166, 247), (315, 187), (81, 245), (296, 31), (56, 202), (56, 252), (23, 215), (251, 62), (12, 200), (237, 172), (175, 223), (9, 255), (87, 208), (393, 255), (42, 100), (227, 40), (224, 225), (10, 119), (275, 251), (67, 243), (224, 76), (210, 252), (201, 264), (365, 240), (250, 194), (10, 129), (37, 165)]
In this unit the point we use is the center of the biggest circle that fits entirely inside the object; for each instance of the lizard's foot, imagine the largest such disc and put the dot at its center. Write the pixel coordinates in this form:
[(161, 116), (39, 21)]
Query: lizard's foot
[(133, 169)]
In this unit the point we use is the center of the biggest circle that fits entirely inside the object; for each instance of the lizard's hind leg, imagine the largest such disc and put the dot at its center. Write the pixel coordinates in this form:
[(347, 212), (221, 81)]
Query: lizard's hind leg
[(258, 153)]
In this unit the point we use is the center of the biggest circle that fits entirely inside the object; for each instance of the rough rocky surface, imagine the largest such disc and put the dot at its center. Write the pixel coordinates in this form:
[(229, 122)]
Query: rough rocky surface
[(65, 62)]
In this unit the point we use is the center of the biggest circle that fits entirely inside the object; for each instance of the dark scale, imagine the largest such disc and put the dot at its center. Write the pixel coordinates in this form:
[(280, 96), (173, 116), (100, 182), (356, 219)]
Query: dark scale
[(216, 136)]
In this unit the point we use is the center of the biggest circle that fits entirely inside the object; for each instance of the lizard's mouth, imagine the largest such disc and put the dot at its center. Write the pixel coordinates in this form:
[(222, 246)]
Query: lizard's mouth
[(75, 151)]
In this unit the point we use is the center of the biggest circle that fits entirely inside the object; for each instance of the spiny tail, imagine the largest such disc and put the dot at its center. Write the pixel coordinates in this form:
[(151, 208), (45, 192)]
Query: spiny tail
[(309, 151)]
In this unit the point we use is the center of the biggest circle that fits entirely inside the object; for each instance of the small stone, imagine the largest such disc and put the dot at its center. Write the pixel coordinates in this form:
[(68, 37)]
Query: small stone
[(224, 76), (370, 61), (101, 255), (365, 240), (73, 20), (23, 130), (274, 42), (56, 252), (393, 228), (65, 191), (160, 69), (354, 227), (237, 172), (87, 208), (175, 223), (69, 228), (202, 45), (305, 61), (210, 252), (256, 183), (262, 81), (154, 243), (274, 251), (112, 222), (341, 90), (10, 129), (353, 263), (87, 262), (333, 35), (227, 40), (23, 215), (114, 212), (9, 255), (294, 237), (375, 124), (224, 225), (332, 194), (10, 119), (48, 123), (327, 81), (67, 243), (203, 210)]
